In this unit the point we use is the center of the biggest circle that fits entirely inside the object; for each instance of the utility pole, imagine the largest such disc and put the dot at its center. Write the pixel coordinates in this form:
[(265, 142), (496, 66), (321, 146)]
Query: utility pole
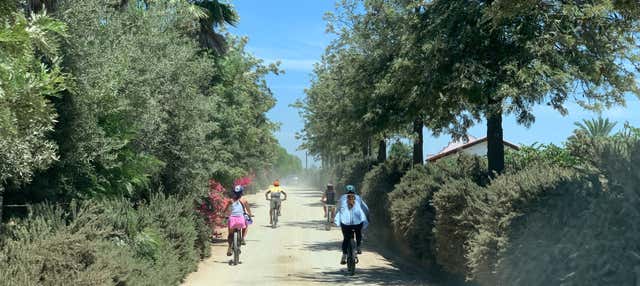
[(306, 160)]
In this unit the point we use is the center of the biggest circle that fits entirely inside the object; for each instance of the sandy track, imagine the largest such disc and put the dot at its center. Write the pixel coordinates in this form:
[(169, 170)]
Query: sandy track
[(299, 252)]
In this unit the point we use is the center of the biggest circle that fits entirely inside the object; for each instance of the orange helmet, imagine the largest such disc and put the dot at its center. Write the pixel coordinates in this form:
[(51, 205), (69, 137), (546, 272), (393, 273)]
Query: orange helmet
[(276, 183)]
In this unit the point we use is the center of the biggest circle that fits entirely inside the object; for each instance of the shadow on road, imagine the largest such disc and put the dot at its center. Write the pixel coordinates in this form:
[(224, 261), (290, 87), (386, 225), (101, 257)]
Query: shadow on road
[(332, 245), (254, 205), (312, 224), (363, 276), (317, 204), (309, 195)]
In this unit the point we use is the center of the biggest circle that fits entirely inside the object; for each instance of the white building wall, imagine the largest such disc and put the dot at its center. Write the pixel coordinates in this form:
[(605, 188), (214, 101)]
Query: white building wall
[(478, 149)]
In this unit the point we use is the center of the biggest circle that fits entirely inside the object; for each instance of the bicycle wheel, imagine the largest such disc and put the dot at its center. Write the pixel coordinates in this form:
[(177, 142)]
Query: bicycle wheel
[(236, 247), (327, 225), (351, 257), (274, 217)]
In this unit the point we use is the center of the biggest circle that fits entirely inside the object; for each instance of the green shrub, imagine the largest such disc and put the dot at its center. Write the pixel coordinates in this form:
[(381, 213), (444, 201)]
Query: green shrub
[(516, 160), (58, 248), (378, 183), (581, 231), (352, 172), (411, 212), (171, 220), (462, 178), (104, 243), (452, 230), (203, 239), (505, 204), (175, 220)]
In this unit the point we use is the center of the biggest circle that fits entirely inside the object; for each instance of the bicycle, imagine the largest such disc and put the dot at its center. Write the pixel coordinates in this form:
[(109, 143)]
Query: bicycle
[(273, 211), (236, 243), (352, 255), (330, 211)]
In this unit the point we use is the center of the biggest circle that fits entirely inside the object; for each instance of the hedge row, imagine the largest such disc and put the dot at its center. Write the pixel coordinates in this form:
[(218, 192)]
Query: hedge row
[(379, 182), (584, 232), (105, 243), (352, 172), (414, 216), (558, 216)]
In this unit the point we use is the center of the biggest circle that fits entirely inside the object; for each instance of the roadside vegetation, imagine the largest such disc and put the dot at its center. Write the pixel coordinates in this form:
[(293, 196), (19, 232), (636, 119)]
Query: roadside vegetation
[(115, 116), (543, 215)]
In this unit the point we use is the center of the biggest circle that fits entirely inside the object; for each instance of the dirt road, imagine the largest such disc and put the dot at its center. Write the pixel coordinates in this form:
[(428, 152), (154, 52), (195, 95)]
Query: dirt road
[(299, 252)]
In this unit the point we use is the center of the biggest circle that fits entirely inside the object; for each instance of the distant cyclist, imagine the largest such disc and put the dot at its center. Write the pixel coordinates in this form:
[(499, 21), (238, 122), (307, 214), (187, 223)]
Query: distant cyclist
[(329, 199), (352, 215), (236, 209), (276, 201)]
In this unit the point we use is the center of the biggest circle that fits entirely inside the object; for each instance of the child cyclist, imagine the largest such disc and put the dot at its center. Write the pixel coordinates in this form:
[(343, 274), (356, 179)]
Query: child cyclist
[(329, 201), (236, 209), (276, 201)]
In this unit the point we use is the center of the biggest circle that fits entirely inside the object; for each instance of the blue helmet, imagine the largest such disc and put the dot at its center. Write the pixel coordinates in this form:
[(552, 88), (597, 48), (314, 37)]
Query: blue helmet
[(238, 189), (350, 189)]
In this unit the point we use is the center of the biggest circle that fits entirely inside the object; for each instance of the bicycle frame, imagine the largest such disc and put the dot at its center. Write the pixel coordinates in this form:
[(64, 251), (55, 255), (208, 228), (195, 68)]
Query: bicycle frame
[(330, 212), (352, 255), (273, 212), (236, 244), (274, 217)]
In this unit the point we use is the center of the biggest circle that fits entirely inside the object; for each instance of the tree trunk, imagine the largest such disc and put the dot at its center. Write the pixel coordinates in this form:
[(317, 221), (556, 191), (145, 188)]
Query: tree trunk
[(417, 142), (495, 146), (1, 201), (364, 148), (382, 150)]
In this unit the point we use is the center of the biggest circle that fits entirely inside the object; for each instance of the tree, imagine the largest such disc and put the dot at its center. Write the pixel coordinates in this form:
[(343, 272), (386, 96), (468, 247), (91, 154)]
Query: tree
[(506, 56), (286, 164), (218, 14), (596, 127), (400, 150), (26, 85), (210, 15), (243, 134), (149, 111), (343, 99)]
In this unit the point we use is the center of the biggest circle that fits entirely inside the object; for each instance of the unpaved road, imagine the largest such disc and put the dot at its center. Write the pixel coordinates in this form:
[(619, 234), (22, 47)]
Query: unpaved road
[(299, 252)]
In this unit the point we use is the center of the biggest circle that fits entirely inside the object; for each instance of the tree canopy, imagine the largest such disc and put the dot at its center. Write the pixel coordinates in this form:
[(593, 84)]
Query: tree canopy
[(450, 64), (143, 107)]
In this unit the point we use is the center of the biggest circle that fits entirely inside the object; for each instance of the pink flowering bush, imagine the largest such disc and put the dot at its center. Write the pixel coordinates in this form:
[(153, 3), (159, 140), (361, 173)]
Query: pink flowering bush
[(244, 181), (212, 205)]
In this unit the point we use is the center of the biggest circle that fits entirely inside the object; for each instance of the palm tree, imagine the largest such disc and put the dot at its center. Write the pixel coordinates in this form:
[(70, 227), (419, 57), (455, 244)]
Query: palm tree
[(212, 14), (218, 14), (596, 127)]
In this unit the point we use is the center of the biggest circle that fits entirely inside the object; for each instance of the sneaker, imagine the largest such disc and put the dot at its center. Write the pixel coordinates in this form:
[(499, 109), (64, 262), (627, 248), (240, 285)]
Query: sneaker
[(229, 251), (358, 250), (344, 259)]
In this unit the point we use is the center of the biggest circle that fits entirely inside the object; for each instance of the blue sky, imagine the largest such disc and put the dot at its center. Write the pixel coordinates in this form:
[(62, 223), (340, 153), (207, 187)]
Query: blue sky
[(293, 32)]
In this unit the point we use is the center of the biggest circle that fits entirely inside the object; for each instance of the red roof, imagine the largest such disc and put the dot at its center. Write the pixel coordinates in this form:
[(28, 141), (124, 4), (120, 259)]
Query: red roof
[(457, 146)]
